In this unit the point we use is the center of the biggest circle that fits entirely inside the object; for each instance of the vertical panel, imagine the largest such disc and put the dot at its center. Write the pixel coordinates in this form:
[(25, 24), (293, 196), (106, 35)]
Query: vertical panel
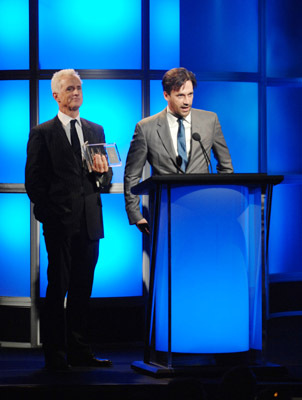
[(219, 35), (284, 37), (90, 34), (284, 125), (14, 129), (14, 34), (164, 34), (285, 251), (157, 100), (14, 245), (119, 270)]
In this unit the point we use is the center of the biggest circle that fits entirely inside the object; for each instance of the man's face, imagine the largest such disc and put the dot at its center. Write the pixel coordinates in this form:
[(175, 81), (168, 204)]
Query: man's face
[(180, 101), (70, 97)]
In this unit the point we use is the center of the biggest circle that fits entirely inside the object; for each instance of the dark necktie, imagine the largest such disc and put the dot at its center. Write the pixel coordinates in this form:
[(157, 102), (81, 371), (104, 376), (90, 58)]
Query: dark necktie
[(181, 145), (75, 142)]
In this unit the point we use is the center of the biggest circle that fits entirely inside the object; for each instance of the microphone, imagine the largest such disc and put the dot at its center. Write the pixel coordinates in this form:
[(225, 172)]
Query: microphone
[(197, 138), (178, 162)]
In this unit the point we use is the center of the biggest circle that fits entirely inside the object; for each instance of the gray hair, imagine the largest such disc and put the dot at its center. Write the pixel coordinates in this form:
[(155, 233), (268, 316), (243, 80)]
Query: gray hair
[(58, 76)]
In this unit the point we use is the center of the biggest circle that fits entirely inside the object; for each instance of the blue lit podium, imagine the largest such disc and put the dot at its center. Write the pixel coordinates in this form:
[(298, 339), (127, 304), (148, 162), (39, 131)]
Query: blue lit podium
[(207, 259)]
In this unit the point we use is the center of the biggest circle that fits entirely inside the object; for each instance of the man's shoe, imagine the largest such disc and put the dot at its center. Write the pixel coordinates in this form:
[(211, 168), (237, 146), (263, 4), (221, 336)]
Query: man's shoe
[(91, 362)]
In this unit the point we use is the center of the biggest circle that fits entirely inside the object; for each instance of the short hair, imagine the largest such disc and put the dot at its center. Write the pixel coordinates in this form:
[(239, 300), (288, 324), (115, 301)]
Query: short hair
[(58, 76), (176, 77)]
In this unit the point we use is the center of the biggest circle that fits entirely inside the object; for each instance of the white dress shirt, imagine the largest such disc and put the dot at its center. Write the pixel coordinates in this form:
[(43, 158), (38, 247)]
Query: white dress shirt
[(174, 126), (65, 120)]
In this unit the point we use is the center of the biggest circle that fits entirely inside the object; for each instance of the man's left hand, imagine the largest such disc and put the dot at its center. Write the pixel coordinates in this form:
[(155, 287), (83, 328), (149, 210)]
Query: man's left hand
[(100, 164)]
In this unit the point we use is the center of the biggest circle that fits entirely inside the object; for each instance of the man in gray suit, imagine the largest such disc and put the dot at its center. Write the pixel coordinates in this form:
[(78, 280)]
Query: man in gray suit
[(179, 139)]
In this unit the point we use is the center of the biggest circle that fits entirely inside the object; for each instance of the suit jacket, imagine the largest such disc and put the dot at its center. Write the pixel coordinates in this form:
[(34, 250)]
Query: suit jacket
[(58, 185), (152, 142)]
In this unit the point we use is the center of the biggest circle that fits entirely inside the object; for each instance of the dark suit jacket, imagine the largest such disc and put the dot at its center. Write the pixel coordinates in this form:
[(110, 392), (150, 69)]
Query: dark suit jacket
[(56, 183)]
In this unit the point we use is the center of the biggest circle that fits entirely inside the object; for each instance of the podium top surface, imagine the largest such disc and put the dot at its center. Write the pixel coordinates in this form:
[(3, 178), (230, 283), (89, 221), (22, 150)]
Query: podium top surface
[(257, 180)]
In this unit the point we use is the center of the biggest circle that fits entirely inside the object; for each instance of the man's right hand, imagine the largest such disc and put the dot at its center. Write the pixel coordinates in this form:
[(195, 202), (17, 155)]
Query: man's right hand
[(143, 226)]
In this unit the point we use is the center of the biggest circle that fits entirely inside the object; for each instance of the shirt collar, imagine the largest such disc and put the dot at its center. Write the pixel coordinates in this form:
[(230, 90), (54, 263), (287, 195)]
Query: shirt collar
[(173, 118), (65, 119)]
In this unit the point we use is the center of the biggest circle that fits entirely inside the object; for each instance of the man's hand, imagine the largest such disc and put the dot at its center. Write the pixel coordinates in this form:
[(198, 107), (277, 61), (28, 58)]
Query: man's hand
[(100, 164), (143, 226)]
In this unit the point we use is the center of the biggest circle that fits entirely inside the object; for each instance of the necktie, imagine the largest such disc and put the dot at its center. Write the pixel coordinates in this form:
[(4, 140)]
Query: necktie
[(181, 145), (75, 143)]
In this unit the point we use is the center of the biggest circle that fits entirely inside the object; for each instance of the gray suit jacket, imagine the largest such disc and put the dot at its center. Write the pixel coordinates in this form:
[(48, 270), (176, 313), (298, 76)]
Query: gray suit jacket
[(152, 142)]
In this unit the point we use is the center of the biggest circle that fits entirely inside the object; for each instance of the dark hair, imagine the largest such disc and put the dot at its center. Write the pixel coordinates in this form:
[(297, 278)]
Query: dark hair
[(176, 77)]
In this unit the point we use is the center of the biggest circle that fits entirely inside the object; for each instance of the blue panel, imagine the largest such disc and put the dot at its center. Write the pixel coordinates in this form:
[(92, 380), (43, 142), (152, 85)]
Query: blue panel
[(14, 34), (119, 269), (219, 35), (236, 104), (285, 250), (14, 245), (216, 278), (14, 129), (157, 100), (164, 34), (90, 34), (284, 37), (114, 104), (284, 141)]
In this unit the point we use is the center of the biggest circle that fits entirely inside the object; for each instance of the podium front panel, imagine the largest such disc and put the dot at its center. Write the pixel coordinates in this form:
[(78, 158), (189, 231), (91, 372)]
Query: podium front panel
[(215, 270)]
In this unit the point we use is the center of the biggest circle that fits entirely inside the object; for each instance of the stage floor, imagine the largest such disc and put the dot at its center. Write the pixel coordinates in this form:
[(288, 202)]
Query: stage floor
[(22, 374)]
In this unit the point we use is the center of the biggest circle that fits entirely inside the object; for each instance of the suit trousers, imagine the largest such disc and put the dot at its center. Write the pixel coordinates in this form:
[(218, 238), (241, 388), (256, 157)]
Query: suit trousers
[(72, 258)]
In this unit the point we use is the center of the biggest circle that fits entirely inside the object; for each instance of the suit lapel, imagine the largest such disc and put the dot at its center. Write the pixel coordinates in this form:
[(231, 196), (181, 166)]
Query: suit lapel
[(164, 134), (87, 132), (62, 137)]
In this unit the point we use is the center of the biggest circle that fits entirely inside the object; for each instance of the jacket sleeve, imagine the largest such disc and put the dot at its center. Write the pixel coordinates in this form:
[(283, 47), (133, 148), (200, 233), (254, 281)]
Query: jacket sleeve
[(221, 151), (135, 162), (37, 171)]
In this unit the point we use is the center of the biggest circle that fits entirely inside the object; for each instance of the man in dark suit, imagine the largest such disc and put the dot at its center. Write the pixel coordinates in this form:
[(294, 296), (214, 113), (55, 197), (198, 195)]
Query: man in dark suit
[(157, 140), (66, 198)]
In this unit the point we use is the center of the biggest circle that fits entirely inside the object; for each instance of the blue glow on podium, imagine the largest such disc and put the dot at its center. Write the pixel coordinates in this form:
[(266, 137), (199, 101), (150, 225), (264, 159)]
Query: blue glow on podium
[(216, 271)]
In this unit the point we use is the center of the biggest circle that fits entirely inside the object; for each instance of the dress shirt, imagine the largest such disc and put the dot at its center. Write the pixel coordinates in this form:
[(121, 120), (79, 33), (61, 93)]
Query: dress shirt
[(65, 120), (174, 126)]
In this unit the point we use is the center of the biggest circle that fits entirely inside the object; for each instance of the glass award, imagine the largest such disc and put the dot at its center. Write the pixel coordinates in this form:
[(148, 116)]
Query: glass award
[(108, 149)]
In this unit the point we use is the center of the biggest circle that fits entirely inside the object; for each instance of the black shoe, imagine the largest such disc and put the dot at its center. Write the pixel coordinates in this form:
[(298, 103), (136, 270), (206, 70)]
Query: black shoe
[(91, 362)]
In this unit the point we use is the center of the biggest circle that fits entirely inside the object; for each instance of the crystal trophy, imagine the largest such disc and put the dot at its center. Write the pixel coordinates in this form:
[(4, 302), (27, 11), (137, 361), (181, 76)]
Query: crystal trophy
[(108, 149)]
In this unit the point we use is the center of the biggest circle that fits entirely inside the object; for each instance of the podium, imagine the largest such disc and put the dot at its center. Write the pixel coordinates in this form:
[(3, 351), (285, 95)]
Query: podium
[(208, 260)]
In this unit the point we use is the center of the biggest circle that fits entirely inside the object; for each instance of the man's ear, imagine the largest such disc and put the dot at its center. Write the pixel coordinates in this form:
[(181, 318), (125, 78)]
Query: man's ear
[(166, 96), (56, 97)]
